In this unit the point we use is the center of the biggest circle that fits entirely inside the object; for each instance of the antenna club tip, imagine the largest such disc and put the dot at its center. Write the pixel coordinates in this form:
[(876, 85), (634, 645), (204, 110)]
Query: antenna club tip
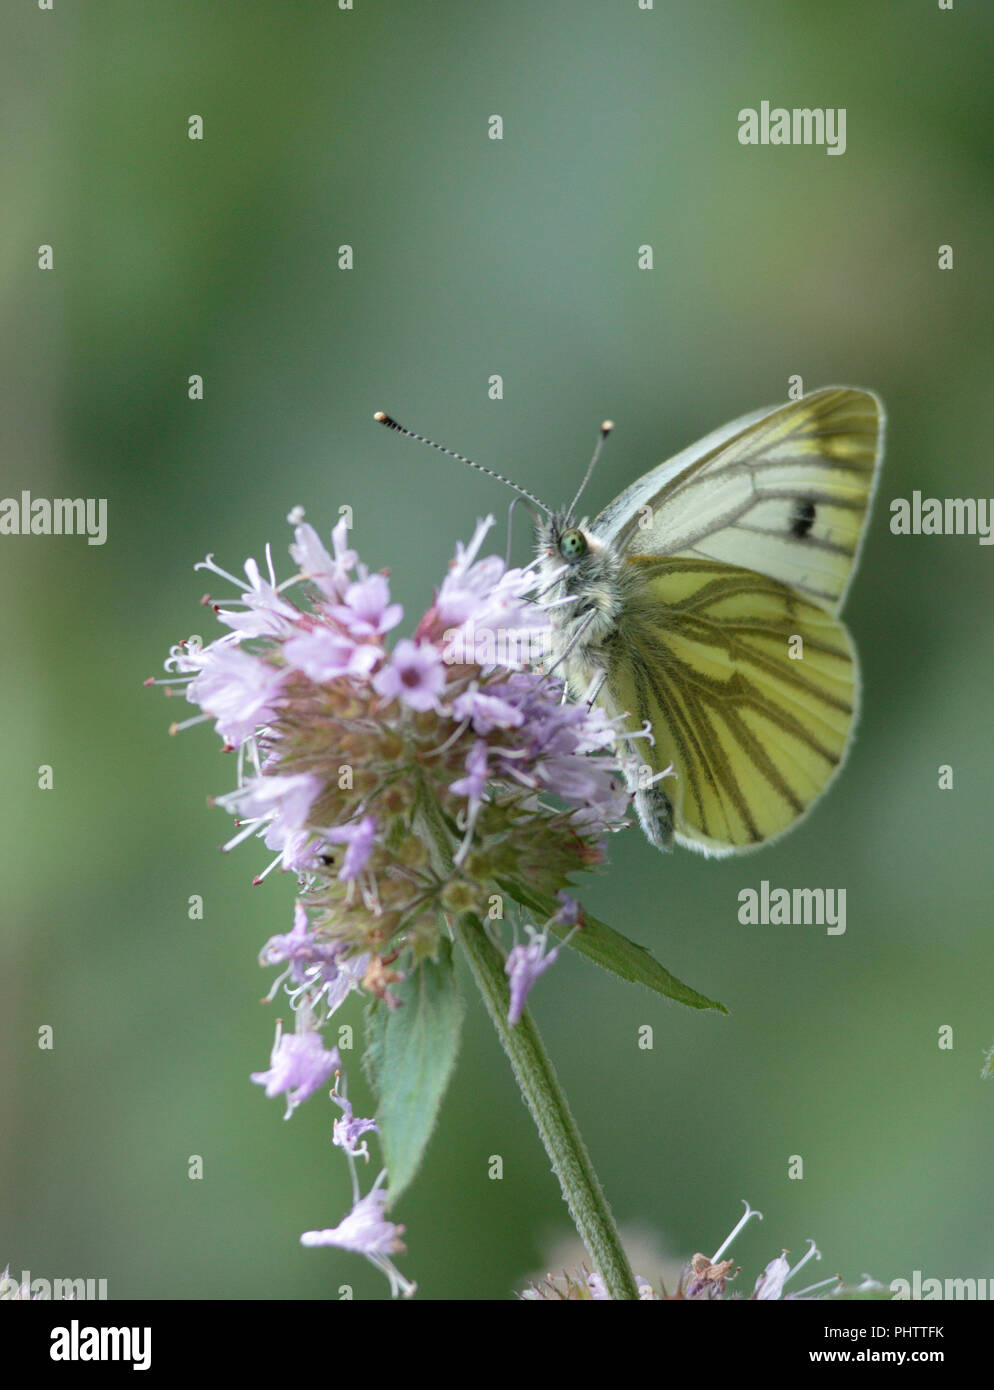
[(382, 417), (607, 427)]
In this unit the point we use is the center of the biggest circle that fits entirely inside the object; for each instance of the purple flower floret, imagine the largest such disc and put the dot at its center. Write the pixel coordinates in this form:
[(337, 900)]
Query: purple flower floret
[(347, 1131), (523, 967), (366, 1231), (525, 964), (367, 610), (358, 837), (413, 674), (323, 655), (238, 691), (299, 1066)]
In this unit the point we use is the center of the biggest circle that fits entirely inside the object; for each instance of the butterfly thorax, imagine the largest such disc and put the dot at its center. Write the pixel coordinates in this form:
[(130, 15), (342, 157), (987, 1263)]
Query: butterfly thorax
[(584, 582)]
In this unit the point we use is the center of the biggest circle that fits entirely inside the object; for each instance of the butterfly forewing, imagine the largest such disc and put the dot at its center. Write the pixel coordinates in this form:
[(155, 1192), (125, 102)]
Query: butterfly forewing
[(750, 688), (782, 492)]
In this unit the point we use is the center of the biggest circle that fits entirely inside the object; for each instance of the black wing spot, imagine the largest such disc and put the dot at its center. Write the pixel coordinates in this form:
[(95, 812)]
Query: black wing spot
[(802, 517)]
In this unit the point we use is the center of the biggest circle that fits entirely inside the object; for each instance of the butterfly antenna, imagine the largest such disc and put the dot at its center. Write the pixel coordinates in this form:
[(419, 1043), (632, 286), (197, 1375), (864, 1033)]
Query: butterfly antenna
[(606, 429), (392, 424)]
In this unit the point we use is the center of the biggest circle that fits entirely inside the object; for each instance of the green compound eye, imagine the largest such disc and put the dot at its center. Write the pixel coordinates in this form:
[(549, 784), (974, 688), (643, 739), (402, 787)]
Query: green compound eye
[(572, 544)]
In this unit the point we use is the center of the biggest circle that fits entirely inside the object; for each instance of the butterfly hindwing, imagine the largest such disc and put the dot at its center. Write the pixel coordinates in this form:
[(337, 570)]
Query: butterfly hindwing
[(783, 492), (750, 689)]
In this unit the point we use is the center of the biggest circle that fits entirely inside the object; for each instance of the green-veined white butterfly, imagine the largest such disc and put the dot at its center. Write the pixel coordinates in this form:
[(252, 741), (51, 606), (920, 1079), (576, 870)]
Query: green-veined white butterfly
[(706, 601)]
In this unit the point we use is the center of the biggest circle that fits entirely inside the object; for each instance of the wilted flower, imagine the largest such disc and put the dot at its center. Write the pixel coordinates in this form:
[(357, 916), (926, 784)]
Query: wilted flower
[(347, 1131)]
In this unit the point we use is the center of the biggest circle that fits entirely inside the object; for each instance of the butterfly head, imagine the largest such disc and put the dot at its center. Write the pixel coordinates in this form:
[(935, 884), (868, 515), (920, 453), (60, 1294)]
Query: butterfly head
[(575, 562), (559, 541), (573, 545)]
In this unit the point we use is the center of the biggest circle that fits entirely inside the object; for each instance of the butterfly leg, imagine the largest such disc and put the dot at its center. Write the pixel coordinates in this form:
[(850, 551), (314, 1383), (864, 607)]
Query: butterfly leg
[(655, 812), (584, 623), (594, 689)]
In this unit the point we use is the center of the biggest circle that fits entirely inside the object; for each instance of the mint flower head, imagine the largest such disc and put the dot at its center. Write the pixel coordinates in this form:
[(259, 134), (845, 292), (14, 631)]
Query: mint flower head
[(399, 785)]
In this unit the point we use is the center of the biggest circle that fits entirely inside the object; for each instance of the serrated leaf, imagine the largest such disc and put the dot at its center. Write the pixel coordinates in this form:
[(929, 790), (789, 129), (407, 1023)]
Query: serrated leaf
[(410, 1053), (612, 951)]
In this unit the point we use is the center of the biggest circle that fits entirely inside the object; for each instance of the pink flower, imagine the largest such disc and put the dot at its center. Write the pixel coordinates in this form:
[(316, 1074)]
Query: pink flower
[(298, 1066), (472, 786), (486, 712), (523, 967), (414, 674), (346, 1132), (301, 950), (284, 799), (367, 610), (359, 837), (330, 575), (365, 1230), (324, 655), (239, 690)]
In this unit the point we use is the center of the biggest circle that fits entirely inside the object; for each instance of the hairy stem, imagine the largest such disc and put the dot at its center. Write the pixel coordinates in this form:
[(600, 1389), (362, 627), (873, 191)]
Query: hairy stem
[(544, 1096)]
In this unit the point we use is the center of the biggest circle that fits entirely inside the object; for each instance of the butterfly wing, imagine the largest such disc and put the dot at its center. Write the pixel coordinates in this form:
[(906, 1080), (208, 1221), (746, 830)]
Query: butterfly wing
[(783, 492), (751, 690)]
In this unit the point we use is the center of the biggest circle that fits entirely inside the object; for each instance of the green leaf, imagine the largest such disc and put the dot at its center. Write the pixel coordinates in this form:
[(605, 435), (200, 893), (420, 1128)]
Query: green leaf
[(410, 1053), (609, 949)]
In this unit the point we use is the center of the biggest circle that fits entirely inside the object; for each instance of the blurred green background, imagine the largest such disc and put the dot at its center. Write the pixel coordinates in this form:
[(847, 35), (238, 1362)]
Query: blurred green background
[(473, 257)]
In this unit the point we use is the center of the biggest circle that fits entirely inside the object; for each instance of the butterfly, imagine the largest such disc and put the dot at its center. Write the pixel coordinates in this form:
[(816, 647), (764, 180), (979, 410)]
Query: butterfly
[(701, 608)]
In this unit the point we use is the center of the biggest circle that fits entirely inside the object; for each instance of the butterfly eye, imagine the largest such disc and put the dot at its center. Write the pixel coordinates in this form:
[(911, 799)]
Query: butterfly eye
[(572, 544)]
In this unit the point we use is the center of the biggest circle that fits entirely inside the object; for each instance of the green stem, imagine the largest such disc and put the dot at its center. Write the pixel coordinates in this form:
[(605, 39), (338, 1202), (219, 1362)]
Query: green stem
[(539, 1085), (545, 1099)]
